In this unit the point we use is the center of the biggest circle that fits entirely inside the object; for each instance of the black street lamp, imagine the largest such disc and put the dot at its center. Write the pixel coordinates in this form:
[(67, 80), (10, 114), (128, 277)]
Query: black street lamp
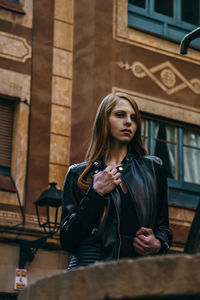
[(49, 201)]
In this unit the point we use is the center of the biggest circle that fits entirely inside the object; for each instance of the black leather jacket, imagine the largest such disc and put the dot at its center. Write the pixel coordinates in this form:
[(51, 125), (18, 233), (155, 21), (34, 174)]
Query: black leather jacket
[(145, 178)]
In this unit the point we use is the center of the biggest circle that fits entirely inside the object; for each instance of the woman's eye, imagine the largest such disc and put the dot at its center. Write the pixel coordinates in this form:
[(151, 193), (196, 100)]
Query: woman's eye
[(119, 115), (133, 117)]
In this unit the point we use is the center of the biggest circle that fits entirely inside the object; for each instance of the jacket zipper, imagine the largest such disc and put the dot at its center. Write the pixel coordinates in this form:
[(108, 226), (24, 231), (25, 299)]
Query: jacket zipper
[(120, 241)]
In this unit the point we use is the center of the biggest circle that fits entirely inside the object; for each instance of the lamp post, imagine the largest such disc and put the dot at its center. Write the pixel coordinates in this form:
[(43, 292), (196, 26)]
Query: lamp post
[(187, 39), (49, 201)]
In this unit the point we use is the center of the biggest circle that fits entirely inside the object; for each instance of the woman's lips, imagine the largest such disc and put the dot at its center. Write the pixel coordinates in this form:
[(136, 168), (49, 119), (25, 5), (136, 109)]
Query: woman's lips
[(127, 131)]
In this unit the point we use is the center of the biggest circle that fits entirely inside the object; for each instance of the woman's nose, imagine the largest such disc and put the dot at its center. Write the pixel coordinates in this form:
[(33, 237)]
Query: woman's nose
[(128, 120)]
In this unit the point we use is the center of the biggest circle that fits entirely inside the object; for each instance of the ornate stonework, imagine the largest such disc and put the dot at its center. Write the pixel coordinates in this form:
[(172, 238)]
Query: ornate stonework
[(14, 47), (165, 75), (15, 84), (168, 78)]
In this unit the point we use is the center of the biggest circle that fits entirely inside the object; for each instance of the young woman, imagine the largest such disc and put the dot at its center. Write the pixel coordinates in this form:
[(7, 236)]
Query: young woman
[(115, 203)]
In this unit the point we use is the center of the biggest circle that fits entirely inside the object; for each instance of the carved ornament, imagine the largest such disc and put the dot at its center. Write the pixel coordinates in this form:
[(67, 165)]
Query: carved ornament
[(165, 75), (14, 47)]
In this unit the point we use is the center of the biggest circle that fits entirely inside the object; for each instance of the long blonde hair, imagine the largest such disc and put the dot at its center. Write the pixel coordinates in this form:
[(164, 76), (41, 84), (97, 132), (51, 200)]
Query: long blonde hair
[(100, 142)]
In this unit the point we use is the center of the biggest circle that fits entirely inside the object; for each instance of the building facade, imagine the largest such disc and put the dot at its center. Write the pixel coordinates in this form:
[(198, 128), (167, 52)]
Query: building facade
[(58, 59)]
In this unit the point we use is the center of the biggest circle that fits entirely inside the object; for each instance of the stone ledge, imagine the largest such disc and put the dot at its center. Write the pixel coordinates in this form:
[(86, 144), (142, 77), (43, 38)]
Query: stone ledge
[(145, 277)]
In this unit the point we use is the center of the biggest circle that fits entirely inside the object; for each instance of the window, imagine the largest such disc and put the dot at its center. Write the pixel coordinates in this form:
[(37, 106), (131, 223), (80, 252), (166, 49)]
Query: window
[(179, 148), (13, 5), (6, 132), (170, 18)]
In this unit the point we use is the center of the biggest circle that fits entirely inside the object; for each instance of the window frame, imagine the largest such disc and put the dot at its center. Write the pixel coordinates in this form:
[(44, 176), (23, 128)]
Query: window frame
[(13, 6), (14, 1), (177, 188), (172, 28)]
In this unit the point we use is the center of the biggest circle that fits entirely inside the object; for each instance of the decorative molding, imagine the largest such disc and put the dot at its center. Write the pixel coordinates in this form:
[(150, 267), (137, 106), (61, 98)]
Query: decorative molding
[(174, 221), (125, 34), (14, 47), (163, 108), (10, 218), (165, 75), (12, 224), (15, 84)]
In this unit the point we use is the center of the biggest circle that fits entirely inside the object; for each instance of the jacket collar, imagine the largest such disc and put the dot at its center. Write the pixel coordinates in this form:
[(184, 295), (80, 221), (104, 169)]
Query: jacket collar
[(99, 164)]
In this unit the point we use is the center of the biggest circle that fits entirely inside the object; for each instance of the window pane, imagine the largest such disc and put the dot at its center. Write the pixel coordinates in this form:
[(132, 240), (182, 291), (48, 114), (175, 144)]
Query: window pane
[(166, 146), (164, 7), (167, 132), (191, 155), (140, 3), (144, 133), (190, 11)]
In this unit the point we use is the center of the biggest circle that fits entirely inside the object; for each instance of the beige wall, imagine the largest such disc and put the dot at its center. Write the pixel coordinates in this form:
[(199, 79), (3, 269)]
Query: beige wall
[(16, 55), (18, 85), (44, 263)]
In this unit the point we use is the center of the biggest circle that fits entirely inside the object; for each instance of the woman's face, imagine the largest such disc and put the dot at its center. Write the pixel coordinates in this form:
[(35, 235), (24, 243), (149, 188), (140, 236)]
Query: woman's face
[(122, 121)]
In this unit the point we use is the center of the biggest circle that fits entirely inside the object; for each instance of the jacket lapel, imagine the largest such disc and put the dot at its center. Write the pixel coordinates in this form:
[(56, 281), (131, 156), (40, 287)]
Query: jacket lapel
[(139, 183)]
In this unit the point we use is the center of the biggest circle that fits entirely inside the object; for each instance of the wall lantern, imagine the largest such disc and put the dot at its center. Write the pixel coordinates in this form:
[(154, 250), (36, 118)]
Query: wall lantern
[(49, 201), (47, 207)]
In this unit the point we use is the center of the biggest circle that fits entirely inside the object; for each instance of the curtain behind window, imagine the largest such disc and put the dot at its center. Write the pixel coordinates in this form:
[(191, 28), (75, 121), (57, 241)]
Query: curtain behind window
[(191, 156), (165, 147)]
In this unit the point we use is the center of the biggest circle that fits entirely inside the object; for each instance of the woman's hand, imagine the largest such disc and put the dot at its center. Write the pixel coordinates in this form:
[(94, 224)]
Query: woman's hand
[(105, 181), (145, 242)]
